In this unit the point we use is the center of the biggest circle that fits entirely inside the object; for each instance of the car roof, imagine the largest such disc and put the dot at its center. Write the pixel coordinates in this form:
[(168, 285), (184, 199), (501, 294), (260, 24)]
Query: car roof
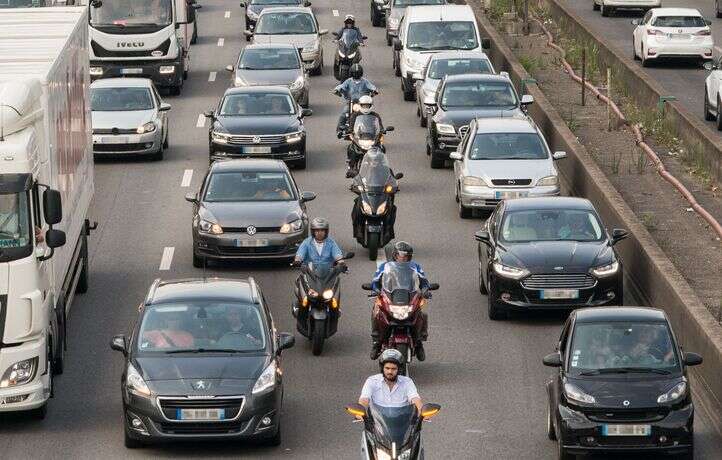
[(258, 89), (248, 165), (675, 12), (122, 82), (551, 202), (189, 289), (268, 45), (476, 77), (598, 314), (459, 54), (424, 13), (287, 9), (516, 124)]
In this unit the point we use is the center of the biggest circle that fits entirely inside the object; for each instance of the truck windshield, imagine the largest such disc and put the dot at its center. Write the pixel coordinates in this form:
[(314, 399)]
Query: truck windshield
[(14, 222), (128, 13), (21, 3)]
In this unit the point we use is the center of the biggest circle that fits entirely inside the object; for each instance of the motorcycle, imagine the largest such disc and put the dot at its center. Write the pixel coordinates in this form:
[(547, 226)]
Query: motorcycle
[(347, 53), (374, 211), (318, 301), (392, 433), (365, 134), (399, 314), (352, 103)]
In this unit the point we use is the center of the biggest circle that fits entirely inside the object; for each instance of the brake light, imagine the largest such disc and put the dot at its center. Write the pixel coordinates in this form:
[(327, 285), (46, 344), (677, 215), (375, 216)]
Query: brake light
[(706, 32)]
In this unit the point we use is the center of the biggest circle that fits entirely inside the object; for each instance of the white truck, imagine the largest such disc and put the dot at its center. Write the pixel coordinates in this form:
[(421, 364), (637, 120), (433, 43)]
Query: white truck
[(142, 38), (46, 185)]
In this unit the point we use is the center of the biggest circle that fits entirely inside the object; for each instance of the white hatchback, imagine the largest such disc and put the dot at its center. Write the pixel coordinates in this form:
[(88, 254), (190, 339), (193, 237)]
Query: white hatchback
[(672, 32)]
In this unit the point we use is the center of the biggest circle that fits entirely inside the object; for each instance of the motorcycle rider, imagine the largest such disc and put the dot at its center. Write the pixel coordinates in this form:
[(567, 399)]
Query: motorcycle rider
[(388, 388), (403, 253), (349, 22), (352, 89), (319, 248)]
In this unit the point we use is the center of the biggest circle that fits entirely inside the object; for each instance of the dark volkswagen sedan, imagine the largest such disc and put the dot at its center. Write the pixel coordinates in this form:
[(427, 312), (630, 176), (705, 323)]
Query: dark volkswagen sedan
[(548, 253), (248, 209), (622, 385), (258, 122), (203, 361)]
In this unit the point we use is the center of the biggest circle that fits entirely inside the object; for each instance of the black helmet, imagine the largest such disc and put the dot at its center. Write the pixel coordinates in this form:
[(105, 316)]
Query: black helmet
[(402, 248), (391, 355), (357, 71)]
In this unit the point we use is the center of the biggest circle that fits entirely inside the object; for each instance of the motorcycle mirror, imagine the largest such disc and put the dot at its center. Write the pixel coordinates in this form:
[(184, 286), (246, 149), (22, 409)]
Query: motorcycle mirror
[(349, 255), (296, 263), (356, 409), (433, 286), (389, 129), (429, 410), (364, 37), (366, 286), (398, 176)]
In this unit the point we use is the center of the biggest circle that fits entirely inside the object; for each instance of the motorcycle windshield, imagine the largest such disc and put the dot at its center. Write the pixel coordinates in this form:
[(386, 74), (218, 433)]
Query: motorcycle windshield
[(349, 41), (393, 425), (319, 273), (374, 172), (400, 277), (366, 127)]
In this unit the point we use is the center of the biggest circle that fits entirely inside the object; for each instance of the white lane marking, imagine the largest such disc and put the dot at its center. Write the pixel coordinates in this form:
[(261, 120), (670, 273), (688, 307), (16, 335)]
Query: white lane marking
[(212, 76), (381, 257), (187, 176), (221, 41), (201, 121), (227, 14), (335, 12), (167, 258)]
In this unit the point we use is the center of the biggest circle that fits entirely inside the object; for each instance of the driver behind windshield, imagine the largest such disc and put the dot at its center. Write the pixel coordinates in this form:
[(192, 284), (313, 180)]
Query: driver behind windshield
[(240, 330)]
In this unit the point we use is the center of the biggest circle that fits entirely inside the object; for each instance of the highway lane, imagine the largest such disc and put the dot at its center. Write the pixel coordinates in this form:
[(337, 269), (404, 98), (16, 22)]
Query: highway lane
[(487, 376)]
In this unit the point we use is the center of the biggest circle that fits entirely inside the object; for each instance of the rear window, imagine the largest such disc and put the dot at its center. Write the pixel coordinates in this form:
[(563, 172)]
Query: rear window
[(479, 94), (269, 59), (120, 99), (679, 21), (249, 186), (441, 35), (441, 68)]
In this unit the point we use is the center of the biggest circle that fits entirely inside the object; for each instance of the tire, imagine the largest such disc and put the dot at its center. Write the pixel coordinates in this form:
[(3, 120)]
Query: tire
[(562, 453), (376, 19), (495, 311), (605, 10), (175, 90), (436, 162), (408, 93), (40, 413), (198, 261), (300, 164), (595, 7), (719, 115), (397, 66), (158, 156), (128, 442), (464, 212), (82, 286), (717, 12), (634, 50), (551, 434), (388, 40), (58, 361), (166, 142), (336, 73), (423, 121), (373, 245), (194, 38), (319, 335), (185, 75), (404, 350), (275, 440), (482, 284), (707, 109), (643, 58)]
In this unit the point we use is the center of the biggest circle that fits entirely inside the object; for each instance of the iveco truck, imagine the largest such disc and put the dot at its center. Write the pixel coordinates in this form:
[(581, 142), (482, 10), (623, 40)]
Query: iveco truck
[(142, 38), (46, 185)]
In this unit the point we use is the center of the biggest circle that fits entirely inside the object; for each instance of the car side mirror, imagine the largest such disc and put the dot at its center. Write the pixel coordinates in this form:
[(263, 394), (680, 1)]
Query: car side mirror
[(286, 341), (553, 360), (230, 68), (482, 236), (52, 206), (527, 99), (196, 6), (306, 113), (366, 287), (456, 155), (635, 22), (559, 155), (692, 359), (54, 238), (118, 343), (486, 43), (209, 114), (248, 33), (164, 107), (192, 198), (618, 234), (434, 287), (399, 175), (322, 32), (307, 196), (397, 44), (708, 65), (389, 129)]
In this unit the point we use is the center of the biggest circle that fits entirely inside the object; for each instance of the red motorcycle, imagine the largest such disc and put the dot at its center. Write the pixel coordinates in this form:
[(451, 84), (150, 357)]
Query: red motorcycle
[(398, 309)]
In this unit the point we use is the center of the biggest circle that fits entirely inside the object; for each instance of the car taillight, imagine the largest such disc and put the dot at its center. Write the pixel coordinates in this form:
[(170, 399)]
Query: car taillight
[(704, 33)]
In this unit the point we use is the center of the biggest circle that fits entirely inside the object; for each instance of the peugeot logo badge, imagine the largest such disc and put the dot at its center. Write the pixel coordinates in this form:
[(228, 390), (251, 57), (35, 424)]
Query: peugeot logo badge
[(251, 230), (558, 268), (256, 139), (200, 385), (625, 403)]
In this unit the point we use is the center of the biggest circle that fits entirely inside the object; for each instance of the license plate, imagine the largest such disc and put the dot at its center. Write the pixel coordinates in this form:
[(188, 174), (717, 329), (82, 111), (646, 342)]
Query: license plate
[(251, 243), (509, 195), (255, 149), (679, 36), (200, 414), (626, 430), (374, 228), (114, 140), (559, 294), (131, 71)]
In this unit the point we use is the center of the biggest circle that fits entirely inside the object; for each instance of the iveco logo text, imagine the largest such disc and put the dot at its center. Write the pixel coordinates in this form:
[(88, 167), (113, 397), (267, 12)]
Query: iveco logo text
[(131, 44)]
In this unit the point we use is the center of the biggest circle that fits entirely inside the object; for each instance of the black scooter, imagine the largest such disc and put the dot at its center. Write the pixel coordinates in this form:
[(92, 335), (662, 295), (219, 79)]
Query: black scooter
[(348, 52), (318, 301), (374, 216)]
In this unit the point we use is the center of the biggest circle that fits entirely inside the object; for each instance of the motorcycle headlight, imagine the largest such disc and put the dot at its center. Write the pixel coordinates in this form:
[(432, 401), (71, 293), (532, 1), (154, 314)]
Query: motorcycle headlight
[(548, 181), (205, 226), (19, 373), (381, 209), (135, 384), (294, 137), (574, 393), (312, 293), (356, 107), (292, 226), (298, 83), (443, 128), (351, 55), (510, 272), (366, 208), (365, 143), (340, 53), (146, 128), (471, 181), (221, 138), (328, 294), (606, 270), (405, 455), (675, 393), (400, 311), (266, 380)]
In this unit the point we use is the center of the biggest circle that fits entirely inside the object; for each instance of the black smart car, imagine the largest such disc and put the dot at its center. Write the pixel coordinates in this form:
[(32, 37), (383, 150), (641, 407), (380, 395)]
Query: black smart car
[(622, 385), (548, 253), (258, 122), (254, 8), (203, 361)]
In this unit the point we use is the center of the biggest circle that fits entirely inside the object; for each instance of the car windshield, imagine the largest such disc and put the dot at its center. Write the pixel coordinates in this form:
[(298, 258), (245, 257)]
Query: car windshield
[(275, 2), (479, 94), (14, 220), (120, 99), (508, 146), (374, 170), (393, 425), (269, 59), (610, 347), (440, 68), (201, 326), (551, 225), (126, 13), (441, 35), (679, 21), (405, 3), (257, 104), (248, 186), (285, 24)]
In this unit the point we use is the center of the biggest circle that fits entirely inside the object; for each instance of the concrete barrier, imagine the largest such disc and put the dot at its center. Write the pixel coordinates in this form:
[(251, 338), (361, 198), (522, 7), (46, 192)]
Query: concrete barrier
[(654, 277)]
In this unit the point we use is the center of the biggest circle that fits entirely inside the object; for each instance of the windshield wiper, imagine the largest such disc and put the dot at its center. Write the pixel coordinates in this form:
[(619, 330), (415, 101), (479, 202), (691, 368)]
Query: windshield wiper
[(626, 370), (203, 350)]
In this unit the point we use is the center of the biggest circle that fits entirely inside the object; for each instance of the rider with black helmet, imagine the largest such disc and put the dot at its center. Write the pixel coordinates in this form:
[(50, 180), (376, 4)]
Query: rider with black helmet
[(349, 22), (351, 90), (388, 388), (319, 247)]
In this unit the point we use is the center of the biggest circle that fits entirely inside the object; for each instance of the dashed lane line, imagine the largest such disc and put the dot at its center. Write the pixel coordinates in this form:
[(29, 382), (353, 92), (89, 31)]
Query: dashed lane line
[(201, 121), (227, 14), (212, 76), (167, 258), (221, 41), (187, 176)]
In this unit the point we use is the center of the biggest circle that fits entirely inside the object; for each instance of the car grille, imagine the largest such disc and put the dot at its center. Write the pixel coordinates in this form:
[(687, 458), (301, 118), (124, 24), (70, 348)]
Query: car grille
[(120, 147), (511, 182), (463, 130), (236, 251), (627, 416), (170, 406), (101, 52), (258, 229), (559, 281), (258, 140), (115, 131), (202, 428)]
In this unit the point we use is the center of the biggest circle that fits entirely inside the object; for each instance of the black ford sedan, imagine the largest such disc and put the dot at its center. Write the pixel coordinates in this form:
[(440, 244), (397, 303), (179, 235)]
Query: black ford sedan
[(258, 122), (548, 253), (203, 361), (622, 385)]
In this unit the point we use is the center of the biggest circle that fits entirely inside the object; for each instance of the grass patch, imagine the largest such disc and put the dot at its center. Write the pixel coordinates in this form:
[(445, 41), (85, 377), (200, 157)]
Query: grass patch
[(531, 63), (649, 220)]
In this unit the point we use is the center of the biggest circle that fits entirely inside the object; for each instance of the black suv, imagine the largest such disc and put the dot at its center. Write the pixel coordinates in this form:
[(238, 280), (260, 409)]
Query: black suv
[(460, 99), (622, 385)]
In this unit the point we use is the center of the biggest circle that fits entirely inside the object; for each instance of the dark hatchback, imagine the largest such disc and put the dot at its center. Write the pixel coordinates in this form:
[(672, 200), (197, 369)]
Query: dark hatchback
[(547, 253), (258, 122), (254, 8), (462, 98), (203, 361), (248, 209), (622, 385)]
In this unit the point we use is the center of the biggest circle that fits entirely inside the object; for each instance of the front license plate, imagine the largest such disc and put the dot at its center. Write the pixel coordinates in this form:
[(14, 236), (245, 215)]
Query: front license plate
[(510, 195), (626, 430), (114, 140), (251, 243), (255, 149), (200, 414), (131, 71), (559, 294)]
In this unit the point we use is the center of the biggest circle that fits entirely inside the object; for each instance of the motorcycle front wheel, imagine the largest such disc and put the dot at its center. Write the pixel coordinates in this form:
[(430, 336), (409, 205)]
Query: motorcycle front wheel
[(318, 336), (404, 350), (373, 245)]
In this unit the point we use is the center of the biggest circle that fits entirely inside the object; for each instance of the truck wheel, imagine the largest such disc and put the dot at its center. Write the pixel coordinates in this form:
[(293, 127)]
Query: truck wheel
[(58, 364), (408, 90), (82, 286)]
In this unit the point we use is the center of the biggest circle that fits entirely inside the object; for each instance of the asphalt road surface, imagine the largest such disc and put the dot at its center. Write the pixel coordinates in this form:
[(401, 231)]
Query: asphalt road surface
[(487, 376)]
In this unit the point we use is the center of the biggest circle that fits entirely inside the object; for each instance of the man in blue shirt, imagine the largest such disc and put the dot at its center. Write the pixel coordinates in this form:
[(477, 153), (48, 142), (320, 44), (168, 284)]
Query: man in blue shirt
[(319, 248), (351, 90)]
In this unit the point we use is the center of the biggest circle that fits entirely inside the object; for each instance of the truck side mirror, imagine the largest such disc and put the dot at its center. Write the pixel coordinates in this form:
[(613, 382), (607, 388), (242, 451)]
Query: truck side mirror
[(54, 238), (52, 206)]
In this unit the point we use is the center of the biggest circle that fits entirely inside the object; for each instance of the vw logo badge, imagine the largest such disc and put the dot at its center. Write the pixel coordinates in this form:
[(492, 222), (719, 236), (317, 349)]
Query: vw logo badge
[(256, 139), (625, 403), (200, 385), (251, 230), (558, 268)]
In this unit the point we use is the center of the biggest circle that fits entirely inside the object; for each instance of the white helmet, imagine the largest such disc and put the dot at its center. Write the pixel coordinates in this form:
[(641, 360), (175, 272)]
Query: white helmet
[(366, 103)]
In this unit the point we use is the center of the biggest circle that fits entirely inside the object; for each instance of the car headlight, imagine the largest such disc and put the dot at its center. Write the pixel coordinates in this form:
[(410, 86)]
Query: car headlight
[(294, 137), (205, 226), (606, 270), (313, 293), (310, 48), (19, 373), (298, 83), (291, 227), (135, 384), (381, 209), (146, 128), (266, 380), (412, 63), (96, 71), (548, 181), (471, 181), (393, 23), (221, 138), (510, 272), (328, 294), (381, 454), (400, 311), (574, 393), (365, 143), (366, 208), (443, 128), (675, 393)]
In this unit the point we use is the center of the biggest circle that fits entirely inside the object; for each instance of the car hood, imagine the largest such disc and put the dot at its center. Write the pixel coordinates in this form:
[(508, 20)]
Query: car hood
[(121, 120), (299, 41), (268, 77), (543, 256), (463, 116), (264, 124), (430, 86), (202, 366), (510, 169), (256, 213), (639, 392)]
